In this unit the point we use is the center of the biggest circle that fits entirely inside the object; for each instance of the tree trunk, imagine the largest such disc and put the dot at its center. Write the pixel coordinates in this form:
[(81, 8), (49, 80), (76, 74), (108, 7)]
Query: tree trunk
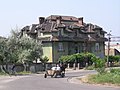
[(24, 67), (35, 66)]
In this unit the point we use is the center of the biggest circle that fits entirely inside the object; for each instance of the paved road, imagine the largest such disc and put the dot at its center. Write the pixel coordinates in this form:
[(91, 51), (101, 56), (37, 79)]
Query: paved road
[(37, 82)]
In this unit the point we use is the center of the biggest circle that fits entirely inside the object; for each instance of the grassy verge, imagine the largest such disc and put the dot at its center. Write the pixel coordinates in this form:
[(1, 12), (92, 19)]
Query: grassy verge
[(111, 77), (3, 74), (90, 68), (24, 73)]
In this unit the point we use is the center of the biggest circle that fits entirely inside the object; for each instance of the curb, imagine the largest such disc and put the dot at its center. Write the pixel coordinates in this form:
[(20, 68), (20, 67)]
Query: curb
[(76, 81)]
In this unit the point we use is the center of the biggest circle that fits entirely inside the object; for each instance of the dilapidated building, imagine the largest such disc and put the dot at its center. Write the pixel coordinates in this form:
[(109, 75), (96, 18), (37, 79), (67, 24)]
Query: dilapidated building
[(66, 35)]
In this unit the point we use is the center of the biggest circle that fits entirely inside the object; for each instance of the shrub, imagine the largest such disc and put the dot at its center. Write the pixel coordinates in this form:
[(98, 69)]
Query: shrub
[(100, 65), (44, 59), (79, 57), (113, 58)]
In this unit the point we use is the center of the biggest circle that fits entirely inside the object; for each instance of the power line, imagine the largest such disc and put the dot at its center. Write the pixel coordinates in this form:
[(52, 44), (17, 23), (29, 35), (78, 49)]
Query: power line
[(115, 39)]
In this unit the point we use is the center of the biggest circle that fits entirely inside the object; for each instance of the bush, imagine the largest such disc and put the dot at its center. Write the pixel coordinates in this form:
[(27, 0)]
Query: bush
[(79, 57), (44, 59), (113, 58), (100, 65), (68, 58), (89, 58)]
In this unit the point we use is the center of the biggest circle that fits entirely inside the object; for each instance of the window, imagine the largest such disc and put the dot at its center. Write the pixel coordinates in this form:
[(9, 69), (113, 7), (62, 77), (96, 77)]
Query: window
[(60, 46), (97, 47), (59, 33), (84, 46)]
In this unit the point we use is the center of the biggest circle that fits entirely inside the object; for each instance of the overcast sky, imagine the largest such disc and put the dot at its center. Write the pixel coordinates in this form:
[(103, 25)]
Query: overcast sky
[(18, 13)]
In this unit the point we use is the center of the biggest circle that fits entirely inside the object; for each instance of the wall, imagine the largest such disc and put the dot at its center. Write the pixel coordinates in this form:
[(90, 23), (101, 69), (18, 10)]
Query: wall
[(57, 53), (100, 52), (68, 49), (47, 50)]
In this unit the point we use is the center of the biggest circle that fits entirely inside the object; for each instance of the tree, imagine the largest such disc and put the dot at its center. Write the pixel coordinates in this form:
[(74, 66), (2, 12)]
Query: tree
[(23, 49), (2, 49), (24, 58), (4, 54), (13, 46)]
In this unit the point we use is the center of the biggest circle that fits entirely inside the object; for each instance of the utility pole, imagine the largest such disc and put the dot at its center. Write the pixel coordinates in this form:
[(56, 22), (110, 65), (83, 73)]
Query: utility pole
[(108, 49)]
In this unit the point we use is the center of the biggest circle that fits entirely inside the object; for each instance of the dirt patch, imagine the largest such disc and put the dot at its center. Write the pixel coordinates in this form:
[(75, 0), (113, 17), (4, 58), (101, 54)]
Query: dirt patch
[(84, 79)]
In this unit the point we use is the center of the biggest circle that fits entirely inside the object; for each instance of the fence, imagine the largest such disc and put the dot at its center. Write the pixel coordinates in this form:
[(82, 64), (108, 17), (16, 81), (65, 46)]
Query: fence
[(38, 67)]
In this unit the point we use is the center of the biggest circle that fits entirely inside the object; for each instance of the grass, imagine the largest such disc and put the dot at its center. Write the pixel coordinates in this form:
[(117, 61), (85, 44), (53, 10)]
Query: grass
[(90, 68), (24, 73), (3, 74), (112, 77)]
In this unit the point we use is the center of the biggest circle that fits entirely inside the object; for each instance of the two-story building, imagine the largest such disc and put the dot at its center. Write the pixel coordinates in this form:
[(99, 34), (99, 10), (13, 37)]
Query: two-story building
[(66, 35)]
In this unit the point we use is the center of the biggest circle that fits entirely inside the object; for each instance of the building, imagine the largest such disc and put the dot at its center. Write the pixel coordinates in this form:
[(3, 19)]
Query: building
[(114, 50), (66, 35)]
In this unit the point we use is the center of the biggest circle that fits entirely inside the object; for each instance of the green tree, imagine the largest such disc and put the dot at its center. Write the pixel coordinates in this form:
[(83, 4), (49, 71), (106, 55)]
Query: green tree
[(23, 49), (14, 46), (24, 58), (23, 45), (4, 54), (3, 49)]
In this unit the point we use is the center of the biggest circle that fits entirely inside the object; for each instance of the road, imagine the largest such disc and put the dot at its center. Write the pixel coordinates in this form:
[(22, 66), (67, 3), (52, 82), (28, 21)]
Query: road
[(38, 82)]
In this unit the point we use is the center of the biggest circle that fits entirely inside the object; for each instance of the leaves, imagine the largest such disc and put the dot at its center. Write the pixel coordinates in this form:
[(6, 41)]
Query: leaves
[(24, 56), (79, 57), (44, 59), (19, 49)]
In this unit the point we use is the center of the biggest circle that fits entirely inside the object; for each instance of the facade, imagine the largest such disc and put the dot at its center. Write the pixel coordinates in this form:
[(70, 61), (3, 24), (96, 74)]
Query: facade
[(116, 46), (114, 50), (66, 35)]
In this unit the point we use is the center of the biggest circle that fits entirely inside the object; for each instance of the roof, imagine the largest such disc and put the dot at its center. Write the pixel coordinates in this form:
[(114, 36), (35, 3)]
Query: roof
[(68, 18), (69, 24)]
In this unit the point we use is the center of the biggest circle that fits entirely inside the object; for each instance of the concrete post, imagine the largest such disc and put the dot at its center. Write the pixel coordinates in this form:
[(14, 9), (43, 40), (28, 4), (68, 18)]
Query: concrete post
[(78, 65), (93, 64), (109, 64), (74, 67), (68, 66), (86, 65)]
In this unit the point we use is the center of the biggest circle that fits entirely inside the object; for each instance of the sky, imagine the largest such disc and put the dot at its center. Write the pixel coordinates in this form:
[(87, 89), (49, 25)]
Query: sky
[(19, 13)]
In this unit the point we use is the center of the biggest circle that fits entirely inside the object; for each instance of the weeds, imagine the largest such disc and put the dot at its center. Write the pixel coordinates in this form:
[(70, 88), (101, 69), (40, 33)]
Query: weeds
[(112, 77)]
